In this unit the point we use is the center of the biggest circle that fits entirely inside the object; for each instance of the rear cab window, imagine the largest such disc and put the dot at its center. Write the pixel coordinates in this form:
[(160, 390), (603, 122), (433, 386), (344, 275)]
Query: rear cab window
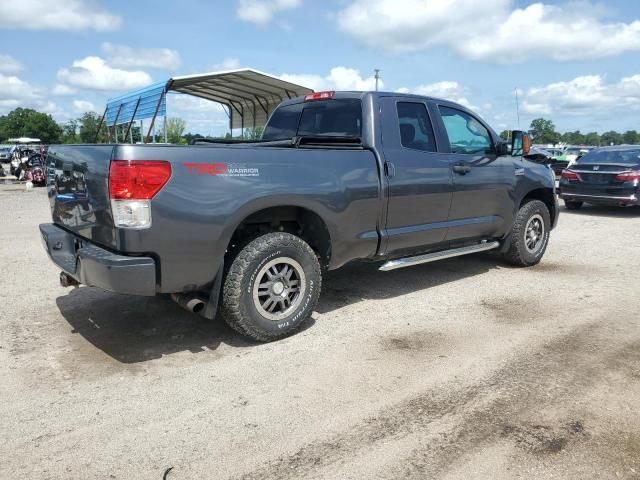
[(416, 131), (340, 117)]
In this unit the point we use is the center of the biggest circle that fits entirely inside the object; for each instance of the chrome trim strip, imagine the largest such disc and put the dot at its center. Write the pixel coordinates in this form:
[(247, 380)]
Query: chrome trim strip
[(632, 198), (432, 257), (597, 172)]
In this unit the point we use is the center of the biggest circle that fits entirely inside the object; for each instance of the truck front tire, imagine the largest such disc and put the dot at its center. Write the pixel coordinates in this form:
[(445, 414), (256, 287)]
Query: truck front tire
[(530, 234), (271, 287)]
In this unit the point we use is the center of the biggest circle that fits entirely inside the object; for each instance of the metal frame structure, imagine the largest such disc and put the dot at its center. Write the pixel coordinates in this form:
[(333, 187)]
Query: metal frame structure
[(251, 94)]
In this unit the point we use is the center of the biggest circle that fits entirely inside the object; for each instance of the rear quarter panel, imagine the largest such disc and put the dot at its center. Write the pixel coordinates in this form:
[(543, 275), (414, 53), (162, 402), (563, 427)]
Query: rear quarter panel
[(195, 214)]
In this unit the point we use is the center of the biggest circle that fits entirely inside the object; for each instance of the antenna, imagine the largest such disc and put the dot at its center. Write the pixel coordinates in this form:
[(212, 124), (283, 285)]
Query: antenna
[(517, 108), (377, 76)]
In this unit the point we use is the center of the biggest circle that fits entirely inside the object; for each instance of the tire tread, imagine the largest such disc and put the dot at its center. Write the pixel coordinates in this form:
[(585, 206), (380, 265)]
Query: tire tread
[(232, 288)]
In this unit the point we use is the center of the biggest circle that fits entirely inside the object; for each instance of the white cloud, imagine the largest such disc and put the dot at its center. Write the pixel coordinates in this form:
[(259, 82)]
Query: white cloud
[(490, 30), (226, 64), (49, 15), (261, 12), (10, 65), (94, 73), (127, 57), (15, 92), (61, 90), (447, 90), (586, 95), (81, 106), (13, 88), (339, 78)]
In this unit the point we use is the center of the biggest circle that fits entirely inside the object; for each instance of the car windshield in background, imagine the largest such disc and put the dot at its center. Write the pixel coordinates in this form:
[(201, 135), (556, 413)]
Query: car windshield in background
[(623, 157), (331, 118)]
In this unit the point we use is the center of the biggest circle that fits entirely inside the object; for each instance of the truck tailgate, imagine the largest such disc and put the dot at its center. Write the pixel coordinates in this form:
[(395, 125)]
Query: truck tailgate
[(78, 186)]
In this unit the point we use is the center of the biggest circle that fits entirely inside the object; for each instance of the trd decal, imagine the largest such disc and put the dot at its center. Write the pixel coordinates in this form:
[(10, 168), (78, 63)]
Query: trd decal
[(222, 169), (208, 168)]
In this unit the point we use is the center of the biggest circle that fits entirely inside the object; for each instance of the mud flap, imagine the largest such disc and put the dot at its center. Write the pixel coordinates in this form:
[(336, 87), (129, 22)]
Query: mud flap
[(211, 310)]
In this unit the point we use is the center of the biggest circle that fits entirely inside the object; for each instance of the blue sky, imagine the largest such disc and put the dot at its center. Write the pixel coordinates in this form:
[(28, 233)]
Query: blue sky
[(577, 63)]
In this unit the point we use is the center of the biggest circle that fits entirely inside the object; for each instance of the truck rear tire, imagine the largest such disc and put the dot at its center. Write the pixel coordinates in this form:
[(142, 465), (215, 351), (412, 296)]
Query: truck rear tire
[(530, 235), (271, 287)]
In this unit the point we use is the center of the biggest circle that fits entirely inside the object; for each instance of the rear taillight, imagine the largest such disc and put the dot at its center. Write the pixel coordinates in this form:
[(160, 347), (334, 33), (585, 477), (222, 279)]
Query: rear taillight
[(137, 179), (569, 175), (629, 176), (132, 185), (312, 97)]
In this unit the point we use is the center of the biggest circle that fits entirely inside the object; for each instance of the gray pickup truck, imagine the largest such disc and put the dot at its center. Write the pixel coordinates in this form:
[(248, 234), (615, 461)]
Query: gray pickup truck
[(247, 229)]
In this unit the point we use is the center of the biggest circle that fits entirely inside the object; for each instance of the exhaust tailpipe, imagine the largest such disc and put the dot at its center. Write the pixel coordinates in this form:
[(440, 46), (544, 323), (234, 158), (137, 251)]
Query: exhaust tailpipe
[(190, 302), (67, 280)]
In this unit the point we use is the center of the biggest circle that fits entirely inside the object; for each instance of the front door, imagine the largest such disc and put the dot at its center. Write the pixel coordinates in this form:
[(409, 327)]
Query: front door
[(484, 183), (419, 178)]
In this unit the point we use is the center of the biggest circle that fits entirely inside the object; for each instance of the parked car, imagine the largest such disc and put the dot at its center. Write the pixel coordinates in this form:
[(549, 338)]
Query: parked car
[(5, 155), (606, 176), (255, 225), (571, 154)]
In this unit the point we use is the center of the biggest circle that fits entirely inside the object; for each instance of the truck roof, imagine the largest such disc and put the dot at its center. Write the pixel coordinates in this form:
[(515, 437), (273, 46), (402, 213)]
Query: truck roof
[(362, 93)]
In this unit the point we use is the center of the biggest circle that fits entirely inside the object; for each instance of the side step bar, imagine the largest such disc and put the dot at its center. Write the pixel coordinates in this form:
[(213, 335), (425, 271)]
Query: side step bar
[(432, 257)]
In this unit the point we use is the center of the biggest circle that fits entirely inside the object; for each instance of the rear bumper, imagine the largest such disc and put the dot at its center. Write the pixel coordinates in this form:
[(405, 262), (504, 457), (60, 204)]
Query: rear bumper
[(601, 199), (96, 267)]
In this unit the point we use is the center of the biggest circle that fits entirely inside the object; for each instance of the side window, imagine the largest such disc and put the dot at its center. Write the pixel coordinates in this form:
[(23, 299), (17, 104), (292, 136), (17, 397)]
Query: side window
[(466, 134), (415, 127)]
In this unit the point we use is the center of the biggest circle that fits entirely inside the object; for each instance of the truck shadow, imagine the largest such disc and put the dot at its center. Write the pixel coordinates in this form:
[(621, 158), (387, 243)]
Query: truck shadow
[(363, 281), (138, 329)]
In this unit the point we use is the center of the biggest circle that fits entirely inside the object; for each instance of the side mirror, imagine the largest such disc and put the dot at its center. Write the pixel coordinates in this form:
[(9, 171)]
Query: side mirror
[(502, 148), (520, 143)]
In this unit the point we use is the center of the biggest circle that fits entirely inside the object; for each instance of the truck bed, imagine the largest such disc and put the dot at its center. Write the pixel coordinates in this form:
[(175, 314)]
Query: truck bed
[(211, 190)]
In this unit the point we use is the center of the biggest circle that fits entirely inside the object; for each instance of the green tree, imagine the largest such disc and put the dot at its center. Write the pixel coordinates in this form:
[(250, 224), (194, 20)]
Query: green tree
[(175, 129), (505, 135), (592, 138), (573, 138), (631, 137), (252, 133), (70, 132), (26, 122), (544, 131), (89, 122), (611, 138)]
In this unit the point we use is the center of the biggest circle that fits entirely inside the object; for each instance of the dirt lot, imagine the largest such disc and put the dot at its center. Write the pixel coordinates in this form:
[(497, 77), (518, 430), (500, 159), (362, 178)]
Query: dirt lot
[(460, 369)]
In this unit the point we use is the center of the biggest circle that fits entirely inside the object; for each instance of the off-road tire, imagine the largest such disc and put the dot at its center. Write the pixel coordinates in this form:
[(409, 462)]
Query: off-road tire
[(519, 254), (571, 205), (238, 307)]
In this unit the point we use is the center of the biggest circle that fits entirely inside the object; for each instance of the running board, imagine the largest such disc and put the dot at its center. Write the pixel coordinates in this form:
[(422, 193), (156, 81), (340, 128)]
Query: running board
[(432, 257)]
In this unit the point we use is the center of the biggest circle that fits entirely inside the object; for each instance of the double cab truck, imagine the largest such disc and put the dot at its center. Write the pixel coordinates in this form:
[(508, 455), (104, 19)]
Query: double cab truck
[(246, 230)]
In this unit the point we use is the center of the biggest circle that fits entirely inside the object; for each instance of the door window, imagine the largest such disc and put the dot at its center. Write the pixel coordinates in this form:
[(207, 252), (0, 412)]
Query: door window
[(416, 131), (466, 134)]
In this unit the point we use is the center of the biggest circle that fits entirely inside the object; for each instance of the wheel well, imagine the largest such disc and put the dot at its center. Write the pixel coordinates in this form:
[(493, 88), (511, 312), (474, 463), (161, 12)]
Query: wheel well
[(295, 220), (545, 195)]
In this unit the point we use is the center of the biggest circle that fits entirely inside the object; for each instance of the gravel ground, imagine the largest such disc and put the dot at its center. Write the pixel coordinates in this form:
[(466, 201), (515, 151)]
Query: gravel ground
[(465, 368)]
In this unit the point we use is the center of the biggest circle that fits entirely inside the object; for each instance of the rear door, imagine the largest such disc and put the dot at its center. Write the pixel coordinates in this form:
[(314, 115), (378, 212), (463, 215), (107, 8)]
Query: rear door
[(482, 203), (419, 178)]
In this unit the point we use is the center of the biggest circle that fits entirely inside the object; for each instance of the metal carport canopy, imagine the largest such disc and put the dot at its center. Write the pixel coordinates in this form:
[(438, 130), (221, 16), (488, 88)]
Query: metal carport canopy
[(250, 95)]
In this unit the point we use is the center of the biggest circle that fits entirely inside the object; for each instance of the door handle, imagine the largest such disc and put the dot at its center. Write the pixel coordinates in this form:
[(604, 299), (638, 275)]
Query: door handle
[(390, 169), (461, 169)]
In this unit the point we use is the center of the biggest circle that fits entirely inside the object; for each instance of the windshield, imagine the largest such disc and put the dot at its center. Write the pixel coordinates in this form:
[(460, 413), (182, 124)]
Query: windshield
[(630, 157), (331, 118)]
